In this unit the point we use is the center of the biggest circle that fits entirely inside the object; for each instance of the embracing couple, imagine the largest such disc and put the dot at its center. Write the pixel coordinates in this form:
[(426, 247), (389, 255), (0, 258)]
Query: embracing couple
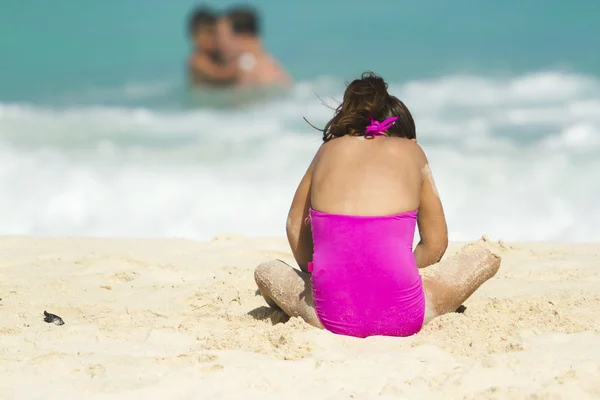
[(228, 51)]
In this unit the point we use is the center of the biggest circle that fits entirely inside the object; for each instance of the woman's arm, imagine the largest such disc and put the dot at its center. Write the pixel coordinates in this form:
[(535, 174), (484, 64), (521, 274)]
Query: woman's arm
[(431, 221), (211, 71), (298, 231)]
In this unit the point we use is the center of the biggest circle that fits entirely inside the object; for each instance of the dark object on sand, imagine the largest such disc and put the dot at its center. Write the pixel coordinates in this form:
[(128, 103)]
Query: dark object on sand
[(53, 319), (461, 309)]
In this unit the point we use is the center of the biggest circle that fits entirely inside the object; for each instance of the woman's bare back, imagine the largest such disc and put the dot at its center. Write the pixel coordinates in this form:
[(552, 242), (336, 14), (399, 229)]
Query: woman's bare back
[(367, 176)]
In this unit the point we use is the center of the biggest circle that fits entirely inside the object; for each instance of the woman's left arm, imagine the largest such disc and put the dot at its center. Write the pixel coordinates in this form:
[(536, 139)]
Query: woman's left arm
[(298, 231)]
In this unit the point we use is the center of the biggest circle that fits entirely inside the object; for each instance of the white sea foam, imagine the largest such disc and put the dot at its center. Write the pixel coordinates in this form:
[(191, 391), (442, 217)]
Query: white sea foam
[(514, 158)]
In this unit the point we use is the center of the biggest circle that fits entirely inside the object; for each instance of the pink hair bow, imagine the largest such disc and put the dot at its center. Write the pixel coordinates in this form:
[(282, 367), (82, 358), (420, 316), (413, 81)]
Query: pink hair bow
[(376, 128)]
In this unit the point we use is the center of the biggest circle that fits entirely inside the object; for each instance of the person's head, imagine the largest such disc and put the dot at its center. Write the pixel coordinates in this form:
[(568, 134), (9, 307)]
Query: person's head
[(365, 99), (202, 28), (239, 30), (244, 21)]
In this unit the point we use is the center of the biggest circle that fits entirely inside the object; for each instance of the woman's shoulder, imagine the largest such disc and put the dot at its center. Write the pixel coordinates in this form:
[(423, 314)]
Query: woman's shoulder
[(407, 149), (417, 150), (393, 145)]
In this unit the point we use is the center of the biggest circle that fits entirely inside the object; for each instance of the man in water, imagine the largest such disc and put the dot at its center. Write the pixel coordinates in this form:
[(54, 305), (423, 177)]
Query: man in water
[(206, 65), (239, 35)]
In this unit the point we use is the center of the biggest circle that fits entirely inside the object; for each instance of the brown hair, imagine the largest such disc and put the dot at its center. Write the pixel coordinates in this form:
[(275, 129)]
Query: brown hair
[(201, 17), (367, 98), (244, 20)]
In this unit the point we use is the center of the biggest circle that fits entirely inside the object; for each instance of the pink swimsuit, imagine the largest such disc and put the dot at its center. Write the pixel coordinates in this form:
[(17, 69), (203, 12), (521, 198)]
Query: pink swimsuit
[(364, 275)]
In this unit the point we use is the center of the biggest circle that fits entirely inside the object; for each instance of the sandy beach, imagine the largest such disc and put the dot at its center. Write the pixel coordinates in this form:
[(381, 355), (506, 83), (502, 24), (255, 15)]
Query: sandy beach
[(180, 319)]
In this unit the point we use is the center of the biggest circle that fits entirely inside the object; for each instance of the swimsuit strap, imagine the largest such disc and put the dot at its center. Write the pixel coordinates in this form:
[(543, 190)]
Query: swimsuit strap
[(377, 128)]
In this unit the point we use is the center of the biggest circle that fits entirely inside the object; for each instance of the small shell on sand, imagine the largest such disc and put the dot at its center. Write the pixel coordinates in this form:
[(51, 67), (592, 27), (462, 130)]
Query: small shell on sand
[(53, 319)]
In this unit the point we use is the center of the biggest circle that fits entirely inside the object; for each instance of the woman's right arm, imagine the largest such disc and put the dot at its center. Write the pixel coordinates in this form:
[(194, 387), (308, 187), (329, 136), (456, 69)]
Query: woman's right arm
[(299, 233), (431, 221)]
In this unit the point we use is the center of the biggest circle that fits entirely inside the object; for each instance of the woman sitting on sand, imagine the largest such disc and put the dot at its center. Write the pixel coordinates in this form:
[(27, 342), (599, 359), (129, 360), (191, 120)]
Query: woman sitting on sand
[(351, 229)]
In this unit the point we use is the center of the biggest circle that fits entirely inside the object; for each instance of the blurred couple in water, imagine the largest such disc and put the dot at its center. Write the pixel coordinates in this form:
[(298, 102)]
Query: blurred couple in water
[(228, 51)]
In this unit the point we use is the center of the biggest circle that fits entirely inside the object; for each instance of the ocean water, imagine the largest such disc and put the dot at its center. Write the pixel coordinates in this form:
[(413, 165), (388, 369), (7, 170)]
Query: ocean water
[(99, 135)]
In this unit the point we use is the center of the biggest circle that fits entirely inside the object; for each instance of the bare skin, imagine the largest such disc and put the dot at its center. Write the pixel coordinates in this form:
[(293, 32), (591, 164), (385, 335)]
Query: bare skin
[(266, 71), (203, 67), (381, 176)]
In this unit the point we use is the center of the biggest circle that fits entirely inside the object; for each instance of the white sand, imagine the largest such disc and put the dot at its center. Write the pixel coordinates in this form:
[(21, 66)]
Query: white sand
[(176, 319)]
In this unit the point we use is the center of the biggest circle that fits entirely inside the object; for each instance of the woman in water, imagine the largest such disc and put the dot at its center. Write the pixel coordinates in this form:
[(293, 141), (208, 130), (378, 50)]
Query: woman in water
[(351, 229)]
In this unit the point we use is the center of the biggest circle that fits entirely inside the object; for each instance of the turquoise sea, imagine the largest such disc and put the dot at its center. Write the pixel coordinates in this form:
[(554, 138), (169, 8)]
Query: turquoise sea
[(100, 136)]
